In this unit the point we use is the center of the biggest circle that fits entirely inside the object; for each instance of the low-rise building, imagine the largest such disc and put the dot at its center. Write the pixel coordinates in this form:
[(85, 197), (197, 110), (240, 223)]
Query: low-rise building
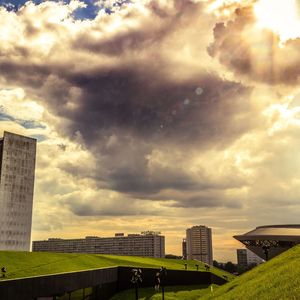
[(148, 243), (246, 258)]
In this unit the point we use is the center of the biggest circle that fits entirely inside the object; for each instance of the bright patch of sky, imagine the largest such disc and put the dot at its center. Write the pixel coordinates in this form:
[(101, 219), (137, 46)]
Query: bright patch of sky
[(90, 10), (28, 124)]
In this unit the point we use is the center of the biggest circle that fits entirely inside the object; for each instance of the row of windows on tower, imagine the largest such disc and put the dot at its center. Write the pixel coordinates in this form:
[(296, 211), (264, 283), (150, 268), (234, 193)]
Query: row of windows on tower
[(9, 168), (15, 156), (8, 186), (15, 210), (10, 233), (13, 242), (19, 143)]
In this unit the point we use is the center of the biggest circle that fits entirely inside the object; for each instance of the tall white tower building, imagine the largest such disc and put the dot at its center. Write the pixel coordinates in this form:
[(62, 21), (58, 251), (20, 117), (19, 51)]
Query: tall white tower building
[(199, 244), (17, 168)]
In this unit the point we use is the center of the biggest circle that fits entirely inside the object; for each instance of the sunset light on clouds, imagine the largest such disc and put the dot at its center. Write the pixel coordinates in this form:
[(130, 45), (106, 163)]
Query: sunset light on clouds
[(156, 114), (281, 16)]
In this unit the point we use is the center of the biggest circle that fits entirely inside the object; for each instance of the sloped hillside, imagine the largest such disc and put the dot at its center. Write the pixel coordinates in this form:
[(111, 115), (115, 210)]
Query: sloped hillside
[(276, 279), (27, 264)]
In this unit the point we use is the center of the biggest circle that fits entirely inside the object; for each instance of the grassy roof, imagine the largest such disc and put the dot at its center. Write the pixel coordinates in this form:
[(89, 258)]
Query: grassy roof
[(28, 264), (278, 278)]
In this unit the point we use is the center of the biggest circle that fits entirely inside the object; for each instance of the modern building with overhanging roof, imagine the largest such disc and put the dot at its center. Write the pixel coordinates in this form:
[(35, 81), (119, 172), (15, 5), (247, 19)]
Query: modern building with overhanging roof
[(271, 240)]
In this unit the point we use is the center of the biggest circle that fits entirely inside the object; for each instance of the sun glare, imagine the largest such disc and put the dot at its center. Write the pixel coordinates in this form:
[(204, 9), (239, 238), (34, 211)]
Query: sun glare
[(281, 16)]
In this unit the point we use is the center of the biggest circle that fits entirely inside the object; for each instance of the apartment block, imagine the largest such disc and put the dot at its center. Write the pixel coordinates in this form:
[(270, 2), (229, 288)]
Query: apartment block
[(246, 258), (148, 244), (199, 244)]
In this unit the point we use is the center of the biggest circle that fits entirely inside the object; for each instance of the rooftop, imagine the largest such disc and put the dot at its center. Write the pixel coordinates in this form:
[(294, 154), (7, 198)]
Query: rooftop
[(291, 231)]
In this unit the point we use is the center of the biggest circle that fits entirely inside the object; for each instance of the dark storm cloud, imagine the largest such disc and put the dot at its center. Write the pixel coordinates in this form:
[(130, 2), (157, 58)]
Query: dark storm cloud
[(123, 115), (212, 201), (255, 53), (92, 206), (139, 99), (145, 104), (86, 209), (26, 74), (127, 109)]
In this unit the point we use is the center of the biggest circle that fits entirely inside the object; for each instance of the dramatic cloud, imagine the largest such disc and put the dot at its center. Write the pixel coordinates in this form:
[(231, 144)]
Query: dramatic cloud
[(116, 105), (154, 114), (255, 52)]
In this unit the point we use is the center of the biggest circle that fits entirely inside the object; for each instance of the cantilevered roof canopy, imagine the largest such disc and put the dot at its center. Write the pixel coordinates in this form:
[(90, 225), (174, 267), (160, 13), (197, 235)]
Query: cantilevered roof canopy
[(271, 240)]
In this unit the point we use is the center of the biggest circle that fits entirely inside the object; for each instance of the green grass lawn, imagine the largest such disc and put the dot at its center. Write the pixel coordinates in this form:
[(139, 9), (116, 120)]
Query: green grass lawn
[(192, 292), (279, 278), (276, 279), (28, 264)]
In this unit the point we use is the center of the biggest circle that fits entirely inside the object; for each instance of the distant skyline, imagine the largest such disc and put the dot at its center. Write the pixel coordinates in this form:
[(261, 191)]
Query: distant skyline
[(156, 114)]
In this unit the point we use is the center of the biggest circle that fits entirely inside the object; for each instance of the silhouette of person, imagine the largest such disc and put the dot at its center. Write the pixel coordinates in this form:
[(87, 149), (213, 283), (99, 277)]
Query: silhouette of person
[(3, 270), (157, 281)]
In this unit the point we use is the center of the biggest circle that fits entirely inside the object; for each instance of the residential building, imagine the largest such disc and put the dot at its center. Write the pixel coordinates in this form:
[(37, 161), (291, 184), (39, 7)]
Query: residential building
[(199, 244), (149, 243), (242, 258), (17, 169), (246, 258)]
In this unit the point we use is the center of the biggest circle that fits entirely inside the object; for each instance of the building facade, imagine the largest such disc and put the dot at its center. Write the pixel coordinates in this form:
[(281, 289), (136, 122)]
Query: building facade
[(199, 244), (246, 258), (17, 170), (242, 258), (148, 244)]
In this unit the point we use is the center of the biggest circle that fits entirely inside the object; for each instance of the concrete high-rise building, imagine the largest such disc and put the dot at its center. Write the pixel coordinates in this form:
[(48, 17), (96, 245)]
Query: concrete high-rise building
[(148, 243), (17, 169), (242, 258), (199, 244)]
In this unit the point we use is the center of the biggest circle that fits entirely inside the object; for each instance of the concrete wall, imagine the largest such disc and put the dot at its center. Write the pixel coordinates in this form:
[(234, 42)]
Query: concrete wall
[(174, 277), (50, 285), (105, 282)]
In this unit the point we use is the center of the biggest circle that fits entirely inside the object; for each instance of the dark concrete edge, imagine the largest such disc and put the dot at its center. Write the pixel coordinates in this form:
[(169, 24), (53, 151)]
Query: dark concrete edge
[(96, 269), (41, 286), (57, 274)]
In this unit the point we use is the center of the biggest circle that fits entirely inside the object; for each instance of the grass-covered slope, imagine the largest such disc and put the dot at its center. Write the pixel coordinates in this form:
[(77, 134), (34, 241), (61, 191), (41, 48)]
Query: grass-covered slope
[(276, 279), (27, 264)]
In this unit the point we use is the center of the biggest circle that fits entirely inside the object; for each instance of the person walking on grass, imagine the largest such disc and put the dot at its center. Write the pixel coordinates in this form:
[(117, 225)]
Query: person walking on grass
[(157, 282)]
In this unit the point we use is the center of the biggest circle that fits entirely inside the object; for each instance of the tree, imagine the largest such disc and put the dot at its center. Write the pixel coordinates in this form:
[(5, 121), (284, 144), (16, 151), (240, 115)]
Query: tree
[(230, 267)]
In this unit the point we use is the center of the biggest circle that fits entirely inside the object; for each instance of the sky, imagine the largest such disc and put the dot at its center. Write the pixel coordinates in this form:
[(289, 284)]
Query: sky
[(156, 114)]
